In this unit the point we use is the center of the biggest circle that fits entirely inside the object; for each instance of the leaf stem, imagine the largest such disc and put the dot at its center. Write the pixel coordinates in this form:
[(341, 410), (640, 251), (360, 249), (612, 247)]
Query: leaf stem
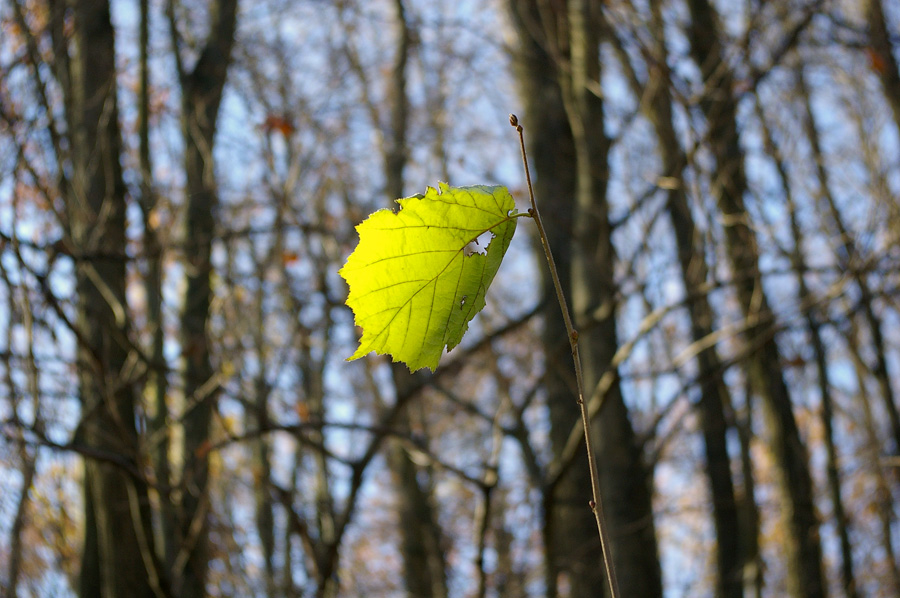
[(596, 503)]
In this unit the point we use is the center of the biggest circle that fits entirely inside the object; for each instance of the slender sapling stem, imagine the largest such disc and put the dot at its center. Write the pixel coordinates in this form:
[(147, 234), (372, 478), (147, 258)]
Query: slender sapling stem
[(595, 504)]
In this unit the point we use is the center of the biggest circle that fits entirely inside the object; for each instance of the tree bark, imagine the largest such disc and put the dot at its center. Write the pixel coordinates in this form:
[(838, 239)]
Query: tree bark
[(885, 62), (851, 259), (201, 89), (14, 565), (118, 558), (714, 393), (421, 540), (424, 566), (814, 323), (558, 69), (805, 574), (883, 501), (156, 387)]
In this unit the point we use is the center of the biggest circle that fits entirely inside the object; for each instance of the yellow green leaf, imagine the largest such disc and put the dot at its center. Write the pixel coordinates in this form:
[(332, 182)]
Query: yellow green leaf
[(417, 277)]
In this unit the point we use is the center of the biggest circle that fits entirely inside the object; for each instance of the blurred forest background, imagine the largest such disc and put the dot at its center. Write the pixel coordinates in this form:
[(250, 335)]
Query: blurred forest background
[(180, 181)]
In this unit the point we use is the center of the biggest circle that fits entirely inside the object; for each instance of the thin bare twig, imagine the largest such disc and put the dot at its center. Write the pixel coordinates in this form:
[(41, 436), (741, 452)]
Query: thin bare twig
[(596, 504)]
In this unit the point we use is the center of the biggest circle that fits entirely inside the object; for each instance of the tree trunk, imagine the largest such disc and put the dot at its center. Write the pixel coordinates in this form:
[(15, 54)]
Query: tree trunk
[(883, 60), (814, 326), (118, 558), (14, 565), (156, 387), (883, 501), (851, 260), (421, 539), (261, 447), (201, 90), (569, 148), (714, 393), (748, 510), (424, 567), (805, 575)]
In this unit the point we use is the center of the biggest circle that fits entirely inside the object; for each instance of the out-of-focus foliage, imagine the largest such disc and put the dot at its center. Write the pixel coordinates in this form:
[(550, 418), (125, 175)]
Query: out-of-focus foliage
[(300, 494)]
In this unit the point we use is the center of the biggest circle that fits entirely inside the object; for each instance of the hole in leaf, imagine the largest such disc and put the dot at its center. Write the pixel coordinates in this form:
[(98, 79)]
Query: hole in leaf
[(462, 301), (479, 245)]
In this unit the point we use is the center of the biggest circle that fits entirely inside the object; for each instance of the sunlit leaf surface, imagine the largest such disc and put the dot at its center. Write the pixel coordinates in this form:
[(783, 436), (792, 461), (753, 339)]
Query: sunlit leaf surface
[(419, 276)]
